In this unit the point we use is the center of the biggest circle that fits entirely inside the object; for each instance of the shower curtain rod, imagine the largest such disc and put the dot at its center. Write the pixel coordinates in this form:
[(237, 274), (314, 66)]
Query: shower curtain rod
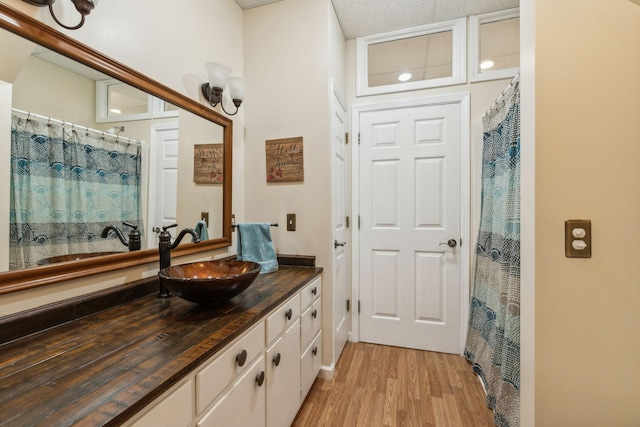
[(79, 127), (495, 107)]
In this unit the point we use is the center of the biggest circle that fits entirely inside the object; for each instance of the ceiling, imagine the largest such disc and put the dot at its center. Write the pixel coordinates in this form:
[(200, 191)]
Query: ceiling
[(365, 17)]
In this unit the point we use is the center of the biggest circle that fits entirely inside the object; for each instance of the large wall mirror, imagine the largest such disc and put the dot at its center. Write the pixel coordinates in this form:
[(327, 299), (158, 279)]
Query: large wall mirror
[(176, 150)]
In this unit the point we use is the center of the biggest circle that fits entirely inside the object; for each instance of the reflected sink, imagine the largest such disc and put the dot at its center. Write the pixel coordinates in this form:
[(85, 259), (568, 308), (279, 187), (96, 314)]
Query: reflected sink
[(75, 257), (209, 282)]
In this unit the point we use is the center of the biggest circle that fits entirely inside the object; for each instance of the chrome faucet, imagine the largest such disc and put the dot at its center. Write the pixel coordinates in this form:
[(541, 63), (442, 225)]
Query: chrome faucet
[(165, 246), (135, 240)]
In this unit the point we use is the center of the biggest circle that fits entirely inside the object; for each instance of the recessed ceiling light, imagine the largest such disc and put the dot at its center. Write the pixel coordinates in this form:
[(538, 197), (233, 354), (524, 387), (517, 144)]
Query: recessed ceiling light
[(487, 64), (404, 77), (115, 111)]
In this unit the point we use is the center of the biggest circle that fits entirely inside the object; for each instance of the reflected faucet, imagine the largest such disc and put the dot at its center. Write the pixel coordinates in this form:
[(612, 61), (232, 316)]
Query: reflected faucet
[(165, 246), (135, 240)]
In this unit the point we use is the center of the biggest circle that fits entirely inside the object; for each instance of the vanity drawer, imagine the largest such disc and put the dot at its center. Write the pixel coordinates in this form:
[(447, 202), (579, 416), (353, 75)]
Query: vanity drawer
[(282, 317), (310, 362), (310, 322), (214, 378), (310, 293)]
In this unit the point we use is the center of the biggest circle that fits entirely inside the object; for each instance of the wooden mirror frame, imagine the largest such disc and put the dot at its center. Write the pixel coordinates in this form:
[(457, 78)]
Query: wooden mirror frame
[(25, 26)]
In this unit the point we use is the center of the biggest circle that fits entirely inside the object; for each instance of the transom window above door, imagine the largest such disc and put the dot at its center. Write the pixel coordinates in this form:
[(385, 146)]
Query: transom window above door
[(417, 58), (494, 46)]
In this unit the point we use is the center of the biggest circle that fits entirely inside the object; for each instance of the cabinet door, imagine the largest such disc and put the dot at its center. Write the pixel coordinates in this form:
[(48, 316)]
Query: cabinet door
[(310, 364), (283, 378), (243, 405), (174, 410)]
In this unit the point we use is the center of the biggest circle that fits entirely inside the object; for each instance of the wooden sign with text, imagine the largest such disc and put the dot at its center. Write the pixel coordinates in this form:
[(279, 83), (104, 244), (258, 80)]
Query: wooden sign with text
[(207, 164), (285, 160)]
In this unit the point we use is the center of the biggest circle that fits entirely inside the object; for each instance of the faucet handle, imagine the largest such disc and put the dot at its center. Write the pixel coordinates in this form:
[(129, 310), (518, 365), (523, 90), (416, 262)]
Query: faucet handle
[(169, 226), (128, 224)]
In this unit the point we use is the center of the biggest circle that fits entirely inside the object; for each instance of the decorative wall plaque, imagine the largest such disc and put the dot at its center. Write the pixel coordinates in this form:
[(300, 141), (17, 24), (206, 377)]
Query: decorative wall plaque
[(207, 164), (285, 160)]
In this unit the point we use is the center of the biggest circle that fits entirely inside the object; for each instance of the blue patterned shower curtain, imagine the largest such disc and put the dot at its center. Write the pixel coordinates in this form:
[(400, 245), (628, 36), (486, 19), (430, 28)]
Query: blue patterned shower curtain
[(66, 186), (493, 343)]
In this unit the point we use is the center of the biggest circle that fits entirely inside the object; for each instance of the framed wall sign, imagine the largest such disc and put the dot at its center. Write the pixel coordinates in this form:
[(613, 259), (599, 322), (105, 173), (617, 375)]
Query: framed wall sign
[(207, 164), (285, 160)]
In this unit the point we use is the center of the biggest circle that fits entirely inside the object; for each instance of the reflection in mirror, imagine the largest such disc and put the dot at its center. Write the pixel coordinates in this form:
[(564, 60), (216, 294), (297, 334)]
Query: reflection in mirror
[(76, 172), (89, 150)]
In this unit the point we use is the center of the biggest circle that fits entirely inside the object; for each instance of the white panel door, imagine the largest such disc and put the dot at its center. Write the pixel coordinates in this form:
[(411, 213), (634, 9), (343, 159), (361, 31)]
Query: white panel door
[(410, 209), (340, 174), (163, 186)]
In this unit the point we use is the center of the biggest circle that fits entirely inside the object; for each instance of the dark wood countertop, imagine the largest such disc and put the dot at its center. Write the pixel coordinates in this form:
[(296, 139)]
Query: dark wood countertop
[(104, 368)]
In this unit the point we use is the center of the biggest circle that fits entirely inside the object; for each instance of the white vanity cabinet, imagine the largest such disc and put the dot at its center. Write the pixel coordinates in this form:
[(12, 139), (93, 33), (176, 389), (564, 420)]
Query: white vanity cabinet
[(310, 335), (258, 380)]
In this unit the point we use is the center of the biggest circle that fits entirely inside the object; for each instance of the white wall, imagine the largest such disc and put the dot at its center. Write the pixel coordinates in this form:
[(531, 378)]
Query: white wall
[(169, 41), (293, 49), (587, 315)]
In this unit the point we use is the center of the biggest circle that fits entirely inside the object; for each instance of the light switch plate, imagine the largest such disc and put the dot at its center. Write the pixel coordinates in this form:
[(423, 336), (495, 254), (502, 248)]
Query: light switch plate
[(291, 222), (577, 247)]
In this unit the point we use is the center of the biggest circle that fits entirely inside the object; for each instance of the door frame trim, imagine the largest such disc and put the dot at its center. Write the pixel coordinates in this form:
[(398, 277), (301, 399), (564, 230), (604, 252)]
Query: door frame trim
[(154, 130), (465, 201)]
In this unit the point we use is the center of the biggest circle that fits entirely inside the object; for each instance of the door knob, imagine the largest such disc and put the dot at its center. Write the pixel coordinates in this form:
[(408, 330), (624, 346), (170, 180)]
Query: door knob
[(451, 243), (336, 243)]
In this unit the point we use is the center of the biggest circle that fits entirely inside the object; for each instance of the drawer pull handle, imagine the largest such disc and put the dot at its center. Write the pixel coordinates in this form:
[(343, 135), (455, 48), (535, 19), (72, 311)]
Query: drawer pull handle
[(314, 351), (314, 313), (241, 358), (288, 314), (314, 291), (260, 378), (276, 359)]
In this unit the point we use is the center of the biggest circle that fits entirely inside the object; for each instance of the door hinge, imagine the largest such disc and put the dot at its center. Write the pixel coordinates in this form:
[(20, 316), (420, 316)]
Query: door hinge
[(358, 222), (348, 305), (358, 306), (346, 137), (346, 222), (358, 138)]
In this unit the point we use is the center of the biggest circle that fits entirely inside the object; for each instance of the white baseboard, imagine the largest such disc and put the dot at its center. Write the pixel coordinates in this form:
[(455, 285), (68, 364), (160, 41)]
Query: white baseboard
[(327, 372)]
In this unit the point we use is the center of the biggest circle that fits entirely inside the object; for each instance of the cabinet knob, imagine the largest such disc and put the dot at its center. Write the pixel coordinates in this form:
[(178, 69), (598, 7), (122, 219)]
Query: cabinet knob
[(260, 378), (241, 358), (314, 291), (276, 359), (288, 314), (314, 313), (314, 351)]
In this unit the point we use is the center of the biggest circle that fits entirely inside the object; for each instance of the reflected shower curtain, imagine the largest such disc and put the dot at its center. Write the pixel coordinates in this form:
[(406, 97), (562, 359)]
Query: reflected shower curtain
[(66, 186), (493, 343)]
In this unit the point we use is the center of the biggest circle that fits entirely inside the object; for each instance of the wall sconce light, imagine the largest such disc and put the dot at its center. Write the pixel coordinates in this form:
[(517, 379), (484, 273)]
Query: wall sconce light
[(218, 80), (83, 6)]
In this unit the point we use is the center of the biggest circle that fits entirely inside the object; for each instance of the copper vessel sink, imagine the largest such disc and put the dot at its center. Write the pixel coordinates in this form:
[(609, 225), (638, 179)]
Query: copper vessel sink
[(209, 282)]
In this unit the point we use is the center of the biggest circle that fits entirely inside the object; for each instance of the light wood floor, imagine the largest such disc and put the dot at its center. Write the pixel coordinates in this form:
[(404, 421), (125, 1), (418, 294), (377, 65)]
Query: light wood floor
[(378, 385)]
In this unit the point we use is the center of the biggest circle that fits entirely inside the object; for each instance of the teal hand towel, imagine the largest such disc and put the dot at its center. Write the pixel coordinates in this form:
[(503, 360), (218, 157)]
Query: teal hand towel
[(201, 229), (254, 244)]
